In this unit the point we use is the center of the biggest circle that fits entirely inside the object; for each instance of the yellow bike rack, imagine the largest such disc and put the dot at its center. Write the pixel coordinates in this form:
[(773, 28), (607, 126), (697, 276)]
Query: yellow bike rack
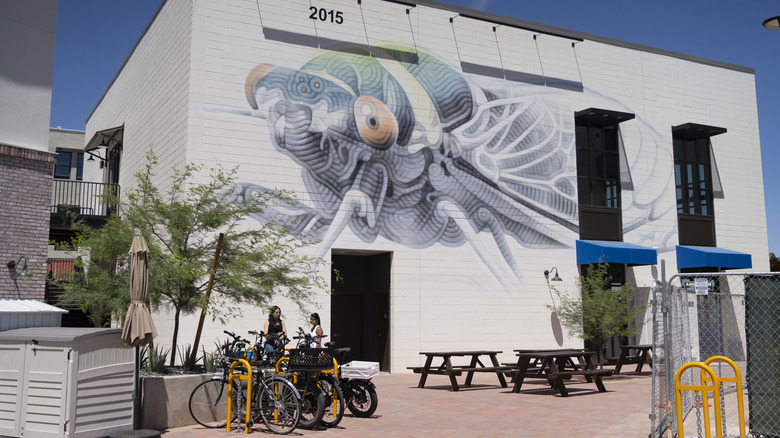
[(248, 378), (709, 382), (736, 379)]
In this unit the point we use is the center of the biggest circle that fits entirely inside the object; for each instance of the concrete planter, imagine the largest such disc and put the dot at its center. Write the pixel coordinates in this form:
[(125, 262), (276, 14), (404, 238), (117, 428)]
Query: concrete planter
[(164, 400)]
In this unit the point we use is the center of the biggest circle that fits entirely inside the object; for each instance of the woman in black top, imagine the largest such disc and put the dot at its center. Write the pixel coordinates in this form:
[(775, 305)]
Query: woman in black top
[(274, 330)]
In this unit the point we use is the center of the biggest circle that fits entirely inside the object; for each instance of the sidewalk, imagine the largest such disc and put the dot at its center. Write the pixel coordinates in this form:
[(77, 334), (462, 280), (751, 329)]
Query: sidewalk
[(486, 410)]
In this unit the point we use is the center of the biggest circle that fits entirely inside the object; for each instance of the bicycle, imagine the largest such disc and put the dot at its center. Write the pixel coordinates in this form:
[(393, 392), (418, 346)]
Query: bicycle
[(274, 400), (359, 392), (327, 379), (322, 402), (208, 401)]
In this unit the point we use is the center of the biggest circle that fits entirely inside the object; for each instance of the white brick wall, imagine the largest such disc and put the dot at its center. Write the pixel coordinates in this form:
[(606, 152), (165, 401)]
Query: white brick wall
[(184, 88), (150, 97)]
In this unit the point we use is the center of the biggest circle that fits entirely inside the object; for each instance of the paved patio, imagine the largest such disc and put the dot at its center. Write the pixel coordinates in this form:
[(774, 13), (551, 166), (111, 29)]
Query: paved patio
[(486, 409)]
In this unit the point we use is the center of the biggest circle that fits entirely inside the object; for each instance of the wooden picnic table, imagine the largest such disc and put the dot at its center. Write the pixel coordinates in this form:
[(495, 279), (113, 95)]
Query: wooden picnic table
[(552, 366), (640, 356), (452, 371)]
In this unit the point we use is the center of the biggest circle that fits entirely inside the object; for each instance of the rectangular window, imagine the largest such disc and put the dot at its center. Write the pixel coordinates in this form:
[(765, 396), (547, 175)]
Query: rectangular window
[(598, 173), (62, 168), (80, 166), (693, 183), (693, 175), (598, 165)]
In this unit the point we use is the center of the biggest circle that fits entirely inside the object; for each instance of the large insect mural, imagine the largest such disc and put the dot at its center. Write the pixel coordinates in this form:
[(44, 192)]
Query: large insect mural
[(398, 144)]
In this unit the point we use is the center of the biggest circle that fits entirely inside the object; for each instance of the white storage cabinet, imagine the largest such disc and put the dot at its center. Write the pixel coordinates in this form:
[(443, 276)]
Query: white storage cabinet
[(65, 382), (28, 313)]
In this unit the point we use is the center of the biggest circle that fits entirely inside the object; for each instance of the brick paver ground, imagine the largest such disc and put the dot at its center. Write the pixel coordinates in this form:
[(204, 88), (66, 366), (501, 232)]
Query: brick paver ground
[(486, 410)]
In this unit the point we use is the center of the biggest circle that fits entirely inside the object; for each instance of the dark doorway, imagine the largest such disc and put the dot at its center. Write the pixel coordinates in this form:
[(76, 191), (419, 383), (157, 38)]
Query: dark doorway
[(360, 305)]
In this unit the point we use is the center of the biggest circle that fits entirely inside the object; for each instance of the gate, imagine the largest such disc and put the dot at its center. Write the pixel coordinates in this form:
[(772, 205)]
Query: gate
[(736, 315)]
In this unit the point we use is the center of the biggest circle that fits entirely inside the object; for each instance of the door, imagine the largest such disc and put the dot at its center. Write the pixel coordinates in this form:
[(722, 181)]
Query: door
[(11, 382), (45, 391), (360, 305)]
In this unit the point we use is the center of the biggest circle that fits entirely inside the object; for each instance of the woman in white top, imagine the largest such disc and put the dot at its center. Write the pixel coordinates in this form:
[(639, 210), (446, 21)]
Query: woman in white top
[(316, 330)]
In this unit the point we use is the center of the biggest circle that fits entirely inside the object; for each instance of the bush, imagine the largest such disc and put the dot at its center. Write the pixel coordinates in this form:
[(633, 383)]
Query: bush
[(599, 312), (156, 361), (188, 360), (209, 361)]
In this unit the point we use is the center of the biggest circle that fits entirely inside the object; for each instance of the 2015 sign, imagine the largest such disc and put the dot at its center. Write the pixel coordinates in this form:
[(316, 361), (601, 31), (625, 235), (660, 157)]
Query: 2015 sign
[(323, 14)]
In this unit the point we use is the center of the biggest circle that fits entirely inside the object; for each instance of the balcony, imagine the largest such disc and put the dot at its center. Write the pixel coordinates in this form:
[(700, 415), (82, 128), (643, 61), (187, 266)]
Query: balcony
[(84, 200)]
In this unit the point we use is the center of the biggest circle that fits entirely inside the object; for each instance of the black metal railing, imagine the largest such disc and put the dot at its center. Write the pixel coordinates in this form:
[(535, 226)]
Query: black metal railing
[(82, 198)]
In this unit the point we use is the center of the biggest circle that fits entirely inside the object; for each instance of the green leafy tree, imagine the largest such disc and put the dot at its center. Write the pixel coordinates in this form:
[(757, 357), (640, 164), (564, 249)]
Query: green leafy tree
[(599, 312), (181, 227)]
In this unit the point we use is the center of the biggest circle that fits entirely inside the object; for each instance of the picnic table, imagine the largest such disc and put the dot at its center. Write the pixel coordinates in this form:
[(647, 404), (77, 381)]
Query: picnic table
[(552, 366), (452, 371), (640, 356)]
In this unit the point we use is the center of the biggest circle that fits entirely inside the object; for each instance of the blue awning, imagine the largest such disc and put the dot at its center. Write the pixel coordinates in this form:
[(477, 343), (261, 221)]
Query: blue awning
[(596, 251), (711, 257)]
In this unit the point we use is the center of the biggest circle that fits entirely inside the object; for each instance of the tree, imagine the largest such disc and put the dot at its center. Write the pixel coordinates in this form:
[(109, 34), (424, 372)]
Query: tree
[(181, 227), (599, 312)]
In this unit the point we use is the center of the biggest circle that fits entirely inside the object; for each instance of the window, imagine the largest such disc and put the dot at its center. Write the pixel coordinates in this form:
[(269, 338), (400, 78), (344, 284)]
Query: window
[(80, 166), (62, 168), (692, 175), (598, 165), (598, 173), (693, 180)]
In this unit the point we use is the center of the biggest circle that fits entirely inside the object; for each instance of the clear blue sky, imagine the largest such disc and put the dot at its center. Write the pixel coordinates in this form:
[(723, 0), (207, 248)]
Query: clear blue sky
[(95, 36)]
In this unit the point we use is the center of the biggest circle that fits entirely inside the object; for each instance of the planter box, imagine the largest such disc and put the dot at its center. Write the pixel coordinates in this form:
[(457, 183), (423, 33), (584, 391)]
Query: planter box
[(165, 400)]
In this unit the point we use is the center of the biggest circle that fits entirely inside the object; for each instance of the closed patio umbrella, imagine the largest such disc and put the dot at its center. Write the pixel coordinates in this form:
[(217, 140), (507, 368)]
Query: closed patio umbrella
[(139, 328)]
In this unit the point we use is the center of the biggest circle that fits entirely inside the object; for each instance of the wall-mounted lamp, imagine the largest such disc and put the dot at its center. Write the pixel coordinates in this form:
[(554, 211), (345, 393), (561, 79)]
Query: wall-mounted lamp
[(12, 264), (103, 144), (772, 23), (547, 275), (92, 157)]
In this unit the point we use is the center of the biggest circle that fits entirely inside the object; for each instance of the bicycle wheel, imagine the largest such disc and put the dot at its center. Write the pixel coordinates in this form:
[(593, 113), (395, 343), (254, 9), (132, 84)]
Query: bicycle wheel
[(208, 403), (312, 405), (279, 406), (334, 401), (363, 400)]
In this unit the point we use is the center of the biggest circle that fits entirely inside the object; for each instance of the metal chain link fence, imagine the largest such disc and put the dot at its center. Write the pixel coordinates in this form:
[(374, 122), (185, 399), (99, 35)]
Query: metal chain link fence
[(698, 316)]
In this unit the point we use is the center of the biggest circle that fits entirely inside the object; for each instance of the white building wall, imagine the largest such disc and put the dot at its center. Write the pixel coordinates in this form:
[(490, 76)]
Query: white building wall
[(442, 296), (150, 97), (27, 31)]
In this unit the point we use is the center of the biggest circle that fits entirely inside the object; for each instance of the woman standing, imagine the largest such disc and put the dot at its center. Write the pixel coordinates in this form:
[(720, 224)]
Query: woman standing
[(274, 330), (316, 331)]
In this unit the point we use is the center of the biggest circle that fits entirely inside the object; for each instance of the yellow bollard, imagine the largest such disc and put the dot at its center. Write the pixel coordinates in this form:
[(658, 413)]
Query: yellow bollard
[(703, 388), (248, 378), (736, 379)]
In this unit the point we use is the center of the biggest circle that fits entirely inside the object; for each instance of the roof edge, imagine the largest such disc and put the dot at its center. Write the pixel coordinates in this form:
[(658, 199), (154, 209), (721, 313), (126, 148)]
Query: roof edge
[(491, 17), (567, 33), (127, 58)]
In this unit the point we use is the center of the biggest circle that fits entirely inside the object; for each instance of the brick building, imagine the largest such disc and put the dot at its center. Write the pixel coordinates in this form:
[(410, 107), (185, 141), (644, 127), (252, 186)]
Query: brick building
[(25, 164)]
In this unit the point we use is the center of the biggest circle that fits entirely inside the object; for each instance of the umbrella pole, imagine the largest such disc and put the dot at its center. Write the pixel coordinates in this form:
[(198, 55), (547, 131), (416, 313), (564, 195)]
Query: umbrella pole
[(137, 389)]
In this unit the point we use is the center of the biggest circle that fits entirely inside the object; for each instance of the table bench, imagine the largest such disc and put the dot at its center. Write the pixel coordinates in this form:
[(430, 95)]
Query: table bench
[(640, 357), (596, 375), (553, 368), (452, 371)]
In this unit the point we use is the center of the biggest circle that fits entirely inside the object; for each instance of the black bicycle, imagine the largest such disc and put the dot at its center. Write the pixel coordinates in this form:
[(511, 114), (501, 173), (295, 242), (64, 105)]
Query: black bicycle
[(309, 368), (359, 391)]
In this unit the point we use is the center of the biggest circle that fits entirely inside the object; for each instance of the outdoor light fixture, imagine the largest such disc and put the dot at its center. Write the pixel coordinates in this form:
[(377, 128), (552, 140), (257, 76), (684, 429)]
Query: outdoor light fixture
[(92, 157), (547, 275), (12, 264), (772, 23)]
